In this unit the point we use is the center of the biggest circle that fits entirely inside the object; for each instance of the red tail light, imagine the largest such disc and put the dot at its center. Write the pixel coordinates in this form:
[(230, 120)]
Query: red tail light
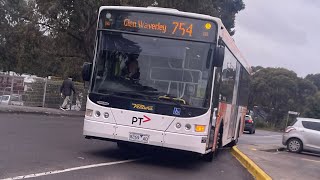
[(250, 121), (289, 129)]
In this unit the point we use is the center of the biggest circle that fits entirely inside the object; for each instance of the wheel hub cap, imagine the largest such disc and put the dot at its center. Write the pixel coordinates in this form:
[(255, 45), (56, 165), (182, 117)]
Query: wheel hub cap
[(294, 145)]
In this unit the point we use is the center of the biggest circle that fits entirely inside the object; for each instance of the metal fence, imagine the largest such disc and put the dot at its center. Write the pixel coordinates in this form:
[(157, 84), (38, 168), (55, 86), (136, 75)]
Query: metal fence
[(38, 92)]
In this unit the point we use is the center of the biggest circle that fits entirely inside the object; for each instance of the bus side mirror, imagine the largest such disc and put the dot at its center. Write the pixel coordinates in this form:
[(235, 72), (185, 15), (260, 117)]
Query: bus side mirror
[(218, 56), (86, 71)]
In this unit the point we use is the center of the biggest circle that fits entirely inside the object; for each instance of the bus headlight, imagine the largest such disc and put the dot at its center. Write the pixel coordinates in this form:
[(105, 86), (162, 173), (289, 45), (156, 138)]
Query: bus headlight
[(106, 115), (97, 114), (89, 112), (188, 127), (200, 128), (178, 125)]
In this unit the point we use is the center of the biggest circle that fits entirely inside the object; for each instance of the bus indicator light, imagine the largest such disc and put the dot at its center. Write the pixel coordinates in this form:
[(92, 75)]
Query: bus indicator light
[(89, 112), (200, 128)]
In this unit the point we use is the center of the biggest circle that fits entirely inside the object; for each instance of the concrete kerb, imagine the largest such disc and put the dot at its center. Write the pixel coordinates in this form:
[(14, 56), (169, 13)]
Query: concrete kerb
[(43, 113), (254, 169)]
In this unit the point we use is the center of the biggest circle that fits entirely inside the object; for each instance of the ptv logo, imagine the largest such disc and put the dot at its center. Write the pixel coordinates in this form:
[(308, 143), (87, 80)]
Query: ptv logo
[(140, 120)]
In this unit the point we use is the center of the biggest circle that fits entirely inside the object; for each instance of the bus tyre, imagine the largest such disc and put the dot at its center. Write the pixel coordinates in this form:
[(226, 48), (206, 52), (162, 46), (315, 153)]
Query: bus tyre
[(211, 155), (208, 157), (233, 143), (219, 143)]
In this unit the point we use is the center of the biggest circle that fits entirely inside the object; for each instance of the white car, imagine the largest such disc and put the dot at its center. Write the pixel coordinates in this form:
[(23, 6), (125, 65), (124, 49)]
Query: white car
[(4, 99), (303, 134), (14, 99)]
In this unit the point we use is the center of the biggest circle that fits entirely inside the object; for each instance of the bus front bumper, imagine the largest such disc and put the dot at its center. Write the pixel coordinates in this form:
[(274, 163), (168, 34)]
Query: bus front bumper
[(114, 132)]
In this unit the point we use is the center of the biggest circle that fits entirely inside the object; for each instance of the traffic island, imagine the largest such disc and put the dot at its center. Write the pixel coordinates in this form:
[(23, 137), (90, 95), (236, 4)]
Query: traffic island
[(254, 169)]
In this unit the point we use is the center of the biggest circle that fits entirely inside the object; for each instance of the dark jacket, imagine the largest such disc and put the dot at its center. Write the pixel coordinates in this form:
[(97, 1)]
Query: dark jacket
[(66, 87)]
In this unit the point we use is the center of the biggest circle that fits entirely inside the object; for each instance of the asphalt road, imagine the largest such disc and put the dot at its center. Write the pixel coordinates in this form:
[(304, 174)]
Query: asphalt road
[(36, 144), (261, 137)]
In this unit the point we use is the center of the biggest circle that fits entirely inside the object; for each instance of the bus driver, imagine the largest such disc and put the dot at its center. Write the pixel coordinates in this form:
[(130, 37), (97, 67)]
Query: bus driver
[(131, 70)]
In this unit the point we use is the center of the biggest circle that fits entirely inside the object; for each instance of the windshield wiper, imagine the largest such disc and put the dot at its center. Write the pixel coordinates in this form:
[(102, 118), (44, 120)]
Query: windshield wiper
[(175, 100)]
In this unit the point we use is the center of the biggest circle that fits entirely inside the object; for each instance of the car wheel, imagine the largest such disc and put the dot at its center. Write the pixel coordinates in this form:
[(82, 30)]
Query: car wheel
[(294, 145), (254, 131)]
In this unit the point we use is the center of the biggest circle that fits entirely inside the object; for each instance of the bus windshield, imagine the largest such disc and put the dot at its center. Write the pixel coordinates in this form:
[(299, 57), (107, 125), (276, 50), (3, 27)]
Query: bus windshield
[(153, 67)]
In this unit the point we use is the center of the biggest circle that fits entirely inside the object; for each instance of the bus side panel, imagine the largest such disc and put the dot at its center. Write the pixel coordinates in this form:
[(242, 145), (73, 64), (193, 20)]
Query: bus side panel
[(243, 115), (240, 121), (228, 117)]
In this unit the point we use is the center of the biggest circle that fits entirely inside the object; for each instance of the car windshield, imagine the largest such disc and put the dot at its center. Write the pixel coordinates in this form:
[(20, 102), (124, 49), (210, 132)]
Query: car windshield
[(152, 66)]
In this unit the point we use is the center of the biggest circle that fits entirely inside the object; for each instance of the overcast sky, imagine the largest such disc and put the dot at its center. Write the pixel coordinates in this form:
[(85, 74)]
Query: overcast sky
[(281, 33)]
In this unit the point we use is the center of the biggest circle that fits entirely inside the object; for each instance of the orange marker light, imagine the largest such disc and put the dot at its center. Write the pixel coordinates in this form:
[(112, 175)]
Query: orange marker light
[(200, 128)]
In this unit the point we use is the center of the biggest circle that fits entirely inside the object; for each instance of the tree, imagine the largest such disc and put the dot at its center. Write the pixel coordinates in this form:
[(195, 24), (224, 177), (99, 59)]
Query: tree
[(306, 89), (278, 90), (21, 42), (313, 107), (274, 90), (315, 79)]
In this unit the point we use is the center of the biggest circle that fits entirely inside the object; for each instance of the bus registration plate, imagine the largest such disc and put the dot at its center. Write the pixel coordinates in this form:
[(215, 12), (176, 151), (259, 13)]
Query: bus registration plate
[(136, 137)]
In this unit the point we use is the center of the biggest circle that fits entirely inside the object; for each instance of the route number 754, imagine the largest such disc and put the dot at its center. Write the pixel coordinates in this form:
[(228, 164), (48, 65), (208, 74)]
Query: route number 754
[(183, 28)]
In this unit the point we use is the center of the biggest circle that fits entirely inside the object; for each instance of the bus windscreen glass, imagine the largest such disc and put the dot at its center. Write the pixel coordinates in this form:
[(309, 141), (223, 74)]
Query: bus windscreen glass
[(158, 24)]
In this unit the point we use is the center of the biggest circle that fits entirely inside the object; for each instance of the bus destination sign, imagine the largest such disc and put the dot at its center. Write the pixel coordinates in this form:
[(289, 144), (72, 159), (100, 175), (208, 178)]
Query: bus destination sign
[(158, 24)]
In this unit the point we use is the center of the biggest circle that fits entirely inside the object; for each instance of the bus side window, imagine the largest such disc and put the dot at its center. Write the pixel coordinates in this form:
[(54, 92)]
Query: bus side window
[(228, 77)]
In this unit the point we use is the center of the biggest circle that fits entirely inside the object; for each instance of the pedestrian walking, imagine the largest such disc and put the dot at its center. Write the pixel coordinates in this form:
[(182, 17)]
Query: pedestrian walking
[(66, 90)]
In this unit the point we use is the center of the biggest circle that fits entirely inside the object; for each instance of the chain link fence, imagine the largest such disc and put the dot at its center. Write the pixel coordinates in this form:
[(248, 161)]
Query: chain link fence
[(38, 92)]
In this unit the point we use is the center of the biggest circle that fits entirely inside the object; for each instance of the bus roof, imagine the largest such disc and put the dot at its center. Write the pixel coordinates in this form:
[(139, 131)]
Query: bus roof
[(222, 31)]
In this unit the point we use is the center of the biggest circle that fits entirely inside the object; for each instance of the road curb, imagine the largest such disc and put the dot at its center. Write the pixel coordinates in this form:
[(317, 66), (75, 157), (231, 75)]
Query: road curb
[(41, 113), (254, 169)]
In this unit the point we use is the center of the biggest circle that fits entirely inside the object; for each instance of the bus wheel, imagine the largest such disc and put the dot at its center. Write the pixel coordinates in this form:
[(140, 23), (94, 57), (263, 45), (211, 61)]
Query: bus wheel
[(208, 157), (219, 142), (233, 143), (211, 155)]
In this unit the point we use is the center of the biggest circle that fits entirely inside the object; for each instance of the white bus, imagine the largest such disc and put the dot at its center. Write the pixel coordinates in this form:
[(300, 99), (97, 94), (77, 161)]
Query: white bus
[(165, 78)]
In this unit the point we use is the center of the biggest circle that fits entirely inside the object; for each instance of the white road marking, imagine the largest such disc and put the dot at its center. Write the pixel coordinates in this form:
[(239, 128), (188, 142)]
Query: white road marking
[(257, 136), (310, 160), (69, 169), (271, 136)]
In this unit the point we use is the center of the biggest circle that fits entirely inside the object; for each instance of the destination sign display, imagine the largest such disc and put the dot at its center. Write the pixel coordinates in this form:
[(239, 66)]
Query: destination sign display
[(158, 24)]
